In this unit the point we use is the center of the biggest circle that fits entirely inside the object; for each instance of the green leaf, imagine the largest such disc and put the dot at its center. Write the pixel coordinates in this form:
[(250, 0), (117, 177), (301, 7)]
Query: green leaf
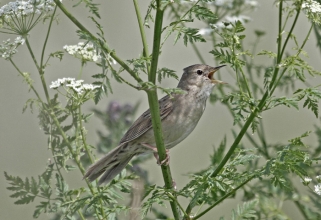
[(297, 141), (98, 76), (202, 13), (268, 53), (40, 209), (245, 211), (34, 186), (93, 7), (313, 95), (58, 54), (189, 35), (25, 200), (165, 72), (239, 27), (219, 152)]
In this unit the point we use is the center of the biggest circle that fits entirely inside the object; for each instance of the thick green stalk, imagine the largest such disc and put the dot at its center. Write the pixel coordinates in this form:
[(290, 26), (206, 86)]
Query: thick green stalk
[(154, 105), (280, 32)]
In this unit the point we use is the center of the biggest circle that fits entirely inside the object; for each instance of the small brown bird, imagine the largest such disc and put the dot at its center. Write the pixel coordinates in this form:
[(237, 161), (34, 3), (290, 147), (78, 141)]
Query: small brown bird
[(179, 114)]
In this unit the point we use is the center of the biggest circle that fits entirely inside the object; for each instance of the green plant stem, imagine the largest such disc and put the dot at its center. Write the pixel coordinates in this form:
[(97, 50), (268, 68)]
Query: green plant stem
[(55, 120), (223, 198), (31, 86), (142, 33), (174, 26), (298, 53), (83, 137), (43, 82), (75, 157), (261, 104), (249, 136), (103, 45), (260, 131), (291, 31), (241, 134), (239, 69), (154, 105), (298, 204), (174, 198), (280, 32), (81, 215), (47, 36), (281, 52), (121, 78)]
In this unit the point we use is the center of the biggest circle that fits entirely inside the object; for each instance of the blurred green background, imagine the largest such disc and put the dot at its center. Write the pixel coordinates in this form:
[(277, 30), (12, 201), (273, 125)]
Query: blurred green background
[(23, 147)]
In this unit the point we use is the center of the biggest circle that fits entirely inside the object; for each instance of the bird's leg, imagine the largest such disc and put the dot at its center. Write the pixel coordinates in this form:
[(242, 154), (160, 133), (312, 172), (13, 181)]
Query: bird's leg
[(163, 162)]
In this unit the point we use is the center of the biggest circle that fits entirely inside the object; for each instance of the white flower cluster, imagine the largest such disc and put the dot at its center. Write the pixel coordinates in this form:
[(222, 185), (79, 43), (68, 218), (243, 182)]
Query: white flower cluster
[(23, 8), (84, 52), (312, 6), (313, 10), (7, 48), (317, 189), (75, 85), (306, 180)]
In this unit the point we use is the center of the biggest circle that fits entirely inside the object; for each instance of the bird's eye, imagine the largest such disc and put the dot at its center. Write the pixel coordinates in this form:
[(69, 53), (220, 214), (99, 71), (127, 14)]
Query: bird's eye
[(199, 72)]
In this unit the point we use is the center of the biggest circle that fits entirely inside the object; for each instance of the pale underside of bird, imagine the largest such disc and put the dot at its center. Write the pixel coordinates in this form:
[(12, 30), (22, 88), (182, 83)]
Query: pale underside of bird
[(179, 113)]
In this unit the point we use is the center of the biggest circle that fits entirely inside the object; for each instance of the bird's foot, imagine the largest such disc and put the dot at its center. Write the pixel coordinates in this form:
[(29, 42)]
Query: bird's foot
[(164, 162)]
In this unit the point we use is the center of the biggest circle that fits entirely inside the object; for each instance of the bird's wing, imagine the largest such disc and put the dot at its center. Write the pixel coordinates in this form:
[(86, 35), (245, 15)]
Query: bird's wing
[(144, 122)]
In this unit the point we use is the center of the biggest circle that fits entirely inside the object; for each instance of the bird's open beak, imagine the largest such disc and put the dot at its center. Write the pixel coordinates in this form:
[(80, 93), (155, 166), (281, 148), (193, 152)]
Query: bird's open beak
[(211, 75)]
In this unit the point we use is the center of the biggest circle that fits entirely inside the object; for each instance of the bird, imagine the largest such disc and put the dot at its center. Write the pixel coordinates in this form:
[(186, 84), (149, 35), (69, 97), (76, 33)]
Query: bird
[(179, 114)]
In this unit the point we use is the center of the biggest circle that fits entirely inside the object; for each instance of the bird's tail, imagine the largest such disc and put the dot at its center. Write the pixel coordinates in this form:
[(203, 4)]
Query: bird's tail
[(111, 165)]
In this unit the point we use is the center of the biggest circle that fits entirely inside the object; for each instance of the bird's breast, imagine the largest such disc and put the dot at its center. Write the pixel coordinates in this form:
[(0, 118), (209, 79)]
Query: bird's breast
[(184, 117)]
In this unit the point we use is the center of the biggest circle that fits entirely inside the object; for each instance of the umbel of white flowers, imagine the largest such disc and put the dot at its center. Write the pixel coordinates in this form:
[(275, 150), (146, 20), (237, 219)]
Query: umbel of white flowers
[(8, 48), (75, 85)]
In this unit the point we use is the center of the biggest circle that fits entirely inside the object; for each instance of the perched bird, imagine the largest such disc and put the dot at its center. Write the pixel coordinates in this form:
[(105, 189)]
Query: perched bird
[(179, 114)]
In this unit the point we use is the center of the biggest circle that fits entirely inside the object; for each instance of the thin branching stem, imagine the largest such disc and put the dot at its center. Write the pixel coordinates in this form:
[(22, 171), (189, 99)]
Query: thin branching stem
[(260, 106), (31, 86), (223, 198), (174, 26), (297, 54), (196, 50), (47, 37), (83, 136), (142, 33), (290, 32)]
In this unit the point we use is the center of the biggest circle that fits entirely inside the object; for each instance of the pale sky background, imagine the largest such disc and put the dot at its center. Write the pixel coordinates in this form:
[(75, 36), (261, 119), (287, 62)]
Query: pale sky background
[(23, 149)]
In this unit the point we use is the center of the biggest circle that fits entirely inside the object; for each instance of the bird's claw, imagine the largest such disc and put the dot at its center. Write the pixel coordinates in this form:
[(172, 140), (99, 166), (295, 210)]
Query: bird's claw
[(164, 162)]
